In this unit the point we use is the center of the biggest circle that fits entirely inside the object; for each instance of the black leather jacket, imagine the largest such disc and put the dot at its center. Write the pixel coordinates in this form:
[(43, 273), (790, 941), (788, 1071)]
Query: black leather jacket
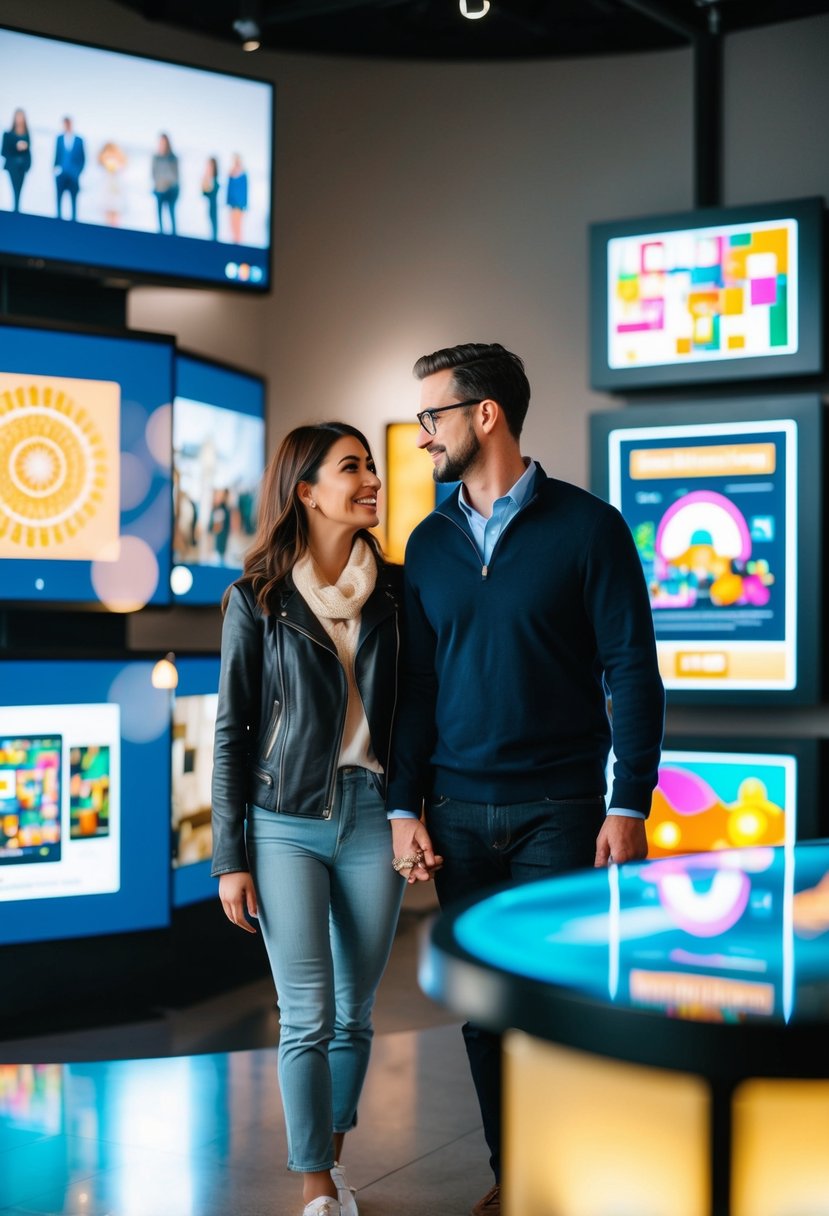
[(282, 706)]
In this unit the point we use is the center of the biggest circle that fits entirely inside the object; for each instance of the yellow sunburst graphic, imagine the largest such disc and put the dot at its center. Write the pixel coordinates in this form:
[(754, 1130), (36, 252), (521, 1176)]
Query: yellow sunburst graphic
[(59, 467)]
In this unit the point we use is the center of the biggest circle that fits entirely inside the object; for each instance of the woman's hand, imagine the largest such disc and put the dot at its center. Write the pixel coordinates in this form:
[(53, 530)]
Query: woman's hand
[(238, 896), (411, 840)]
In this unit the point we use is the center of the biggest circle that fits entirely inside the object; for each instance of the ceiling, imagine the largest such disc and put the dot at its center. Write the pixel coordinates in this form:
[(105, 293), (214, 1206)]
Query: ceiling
[(435, 29)]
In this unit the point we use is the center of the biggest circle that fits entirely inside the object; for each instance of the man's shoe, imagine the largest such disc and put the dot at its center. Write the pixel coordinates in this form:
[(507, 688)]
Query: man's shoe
[(345, 1193), (490, 1204), (324, 1206)]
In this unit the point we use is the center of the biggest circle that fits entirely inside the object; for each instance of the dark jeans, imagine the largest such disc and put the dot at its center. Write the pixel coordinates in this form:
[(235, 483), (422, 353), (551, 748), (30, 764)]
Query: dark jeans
[(484, 845), (66, 184)]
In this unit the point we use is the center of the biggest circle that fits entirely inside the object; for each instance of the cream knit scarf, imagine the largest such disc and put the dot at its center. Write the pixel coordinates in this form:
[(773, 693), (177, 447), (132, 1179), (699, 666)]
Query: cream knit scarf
[(338, 607)]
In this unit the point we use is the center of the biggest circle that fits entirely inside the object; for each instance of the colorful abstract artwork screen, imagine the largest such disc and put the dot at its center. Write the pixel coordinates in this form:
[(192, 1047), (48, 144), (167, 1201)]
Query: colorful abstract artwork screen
[(734, 793), (84, 798), (85, 467), (716, 511), (711, 296)]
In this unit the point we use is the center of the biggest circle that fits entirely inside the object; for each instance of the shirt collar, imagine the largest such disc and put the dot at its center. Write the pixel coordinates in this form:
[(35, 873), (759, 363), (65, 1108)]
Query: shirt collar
[(518, 493)]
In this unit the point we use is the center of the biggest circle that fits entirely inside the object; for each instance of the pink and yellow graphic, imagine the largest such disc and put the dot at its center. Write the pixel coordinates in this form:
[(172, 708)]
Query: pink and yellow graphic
[(59, 468)]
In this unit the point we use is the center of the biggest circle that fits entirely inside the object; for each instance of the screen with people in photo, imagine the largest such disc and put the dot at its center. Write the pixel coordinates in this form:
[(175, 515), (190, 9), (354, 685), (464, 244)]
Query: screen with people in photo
[(84, 798), (194, 724), (119, 162), (218, 461), (85, 467)]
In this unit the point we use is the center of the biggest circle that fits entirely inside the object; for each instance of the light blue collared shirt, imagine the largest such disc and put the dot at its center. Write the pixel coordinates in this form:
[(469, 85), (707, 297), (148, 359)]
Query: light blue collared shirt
[(486, 533)]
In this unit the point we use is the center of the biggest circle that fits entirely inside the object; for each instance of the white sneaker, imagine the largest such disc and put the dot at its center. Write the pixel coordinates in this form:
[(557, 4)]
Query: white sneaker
[(324, 1206), (345, 1193)]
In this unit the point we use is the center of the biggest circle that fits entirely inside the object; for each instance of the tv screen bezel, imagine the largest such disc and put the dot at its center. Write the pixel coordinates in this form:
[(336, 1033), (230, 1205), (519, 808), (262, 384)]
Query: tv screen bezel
[(807, 410), (234, 370), (122, 276), (808, 359)]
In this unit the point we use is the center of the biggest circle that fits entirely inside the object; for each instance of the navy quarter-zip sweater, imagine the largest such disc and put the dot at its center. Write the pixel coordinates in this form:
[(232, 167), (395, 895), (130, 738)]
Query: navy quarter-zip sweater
[(504, 667)]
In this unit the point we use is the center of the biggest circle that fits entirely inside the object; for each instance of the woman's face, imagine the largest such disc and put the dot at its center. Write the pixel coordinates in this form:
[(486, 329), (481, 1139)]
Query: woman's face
[(345, 492), (19, 120)]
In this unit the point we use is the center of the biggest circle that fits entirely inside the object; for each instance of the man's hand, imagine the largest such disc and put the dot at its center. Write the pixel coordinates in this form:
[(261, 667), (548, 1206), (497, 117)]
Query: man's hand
[(621, 839), (410, 839)]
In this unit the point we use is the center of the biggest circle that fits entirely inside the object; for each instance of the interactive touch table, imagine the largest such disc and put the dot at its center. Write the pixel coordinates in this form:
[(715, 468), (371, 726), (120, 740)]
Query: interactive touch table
[(666, 1024)]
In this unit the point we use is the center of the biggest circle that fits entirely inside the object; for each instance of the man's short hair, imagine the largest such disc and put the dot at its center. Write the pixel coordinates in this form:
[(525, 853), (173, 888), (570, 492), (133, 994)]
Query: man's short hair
[(484, 369)]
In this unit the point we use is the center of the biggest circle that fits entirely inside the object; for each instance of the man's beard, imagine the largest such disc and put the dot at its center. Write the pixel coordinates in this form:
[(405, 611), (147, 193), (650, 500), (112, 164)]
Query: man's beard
[(457, 466)]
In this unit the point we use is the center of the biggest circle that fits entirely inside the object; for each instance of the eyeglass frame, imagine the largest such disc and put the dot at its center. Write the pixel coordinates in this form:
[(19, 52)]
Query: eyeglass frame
[(441, 409)]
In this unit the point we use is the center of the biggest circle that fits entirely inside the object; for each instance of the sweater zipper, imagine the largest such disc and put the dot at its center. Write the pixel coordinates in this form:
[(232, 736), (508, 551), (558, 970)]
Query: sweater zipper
[(328, 808), (504, 530)]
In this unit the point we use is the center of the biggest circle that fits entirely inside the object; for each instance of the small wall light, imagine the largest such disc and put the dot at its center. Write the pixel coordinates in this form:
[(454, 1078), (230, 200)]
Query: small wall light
[(165, 674)]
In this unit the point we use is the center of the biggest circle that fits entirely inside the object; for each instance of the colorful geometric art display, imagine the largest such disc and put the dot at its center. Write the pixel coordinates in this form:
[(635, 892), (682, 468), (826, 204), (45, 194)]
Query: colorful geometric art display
[(725, 292), (720, 800), (59, 468)]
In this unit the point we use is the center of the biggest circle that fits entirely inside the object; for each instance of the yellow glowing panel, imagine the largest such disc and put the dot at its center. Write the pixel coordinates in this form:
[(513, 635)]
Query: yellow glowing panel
[(410, 487), (59, 467), (736, 341), (773, 240), (584, 1133), (780, 1163), (683, 346)]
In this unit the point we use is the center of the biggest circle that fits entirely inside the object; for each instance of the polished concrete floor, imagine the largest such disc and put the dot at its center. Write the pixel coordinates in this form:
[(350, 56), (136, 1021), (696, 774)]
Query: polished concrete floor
[(182, 1117)]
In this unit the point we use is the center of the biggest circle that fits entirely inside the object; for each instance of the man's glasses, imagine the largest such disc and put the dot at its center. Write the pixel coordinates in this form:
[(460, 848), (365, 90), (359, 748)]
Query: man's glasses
[(428, 419)]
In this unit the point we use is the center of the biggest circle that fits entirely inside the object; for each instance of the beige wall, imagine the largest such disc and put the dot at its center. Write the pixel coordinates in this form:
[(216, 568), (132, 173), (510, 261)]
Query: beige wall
[(422, 204)]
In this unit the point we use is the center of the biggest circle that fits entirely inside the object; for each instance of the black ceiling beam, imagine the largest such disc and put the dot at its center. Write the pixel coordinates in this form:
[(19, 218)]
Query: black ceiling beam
[(706, 44)]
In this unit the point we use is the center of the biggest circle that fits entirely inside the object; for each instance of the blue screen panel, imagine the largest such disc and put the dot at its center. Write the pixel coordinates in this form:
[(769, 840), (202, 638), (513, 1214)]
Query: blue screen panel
[(85, 468), (84, 799), (219, 458)]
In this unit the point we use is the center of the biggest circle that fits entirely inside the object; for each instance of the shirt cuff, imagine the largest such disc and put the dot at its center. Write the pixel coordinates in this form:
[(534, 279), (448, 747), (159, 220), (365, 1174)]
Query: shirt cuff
[(402, 815), (625, 814)]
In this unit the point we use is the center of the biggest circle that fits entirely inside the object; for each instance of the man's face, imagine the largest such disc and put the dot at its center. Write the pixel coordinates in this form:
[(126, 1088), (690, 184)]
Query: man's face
[(455, 446)]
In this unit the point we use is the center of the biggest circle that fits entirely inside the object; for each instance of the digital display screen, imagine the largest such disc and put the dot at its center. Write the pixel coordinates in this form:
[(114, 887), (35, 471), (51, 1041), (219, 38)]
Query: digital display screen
[(85, 468), (715, 294), (732, 792), (410, 490), (218, 461), (194, 724), (725, 292), (715, 500), (125, 163), (84, 798)]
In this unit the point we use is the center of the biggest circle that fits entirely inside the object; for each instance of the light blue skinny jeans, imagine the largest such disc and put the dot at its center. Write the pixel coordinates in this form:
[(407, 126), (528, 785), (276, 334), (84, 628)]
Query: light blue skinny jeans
[(328, 907)]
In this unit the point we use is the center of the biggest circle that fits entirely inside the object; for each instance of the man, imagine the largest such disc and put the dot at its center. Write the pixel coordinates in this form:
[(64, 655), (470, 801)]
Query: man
[(526, 607), (70, 159)]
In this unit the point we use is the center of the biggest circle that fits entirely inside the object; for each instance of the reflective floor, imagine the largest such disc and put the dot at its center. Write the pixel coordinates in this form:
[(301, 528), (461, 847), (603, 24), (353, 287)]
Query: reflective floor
[(203, 1134)]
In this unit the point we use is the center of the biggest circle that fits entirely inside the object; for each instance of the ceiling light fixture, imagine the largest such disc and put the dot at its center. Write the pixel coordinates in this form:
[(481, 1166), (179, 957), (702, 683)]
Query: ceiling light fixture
[(247, 27), (474, 14)]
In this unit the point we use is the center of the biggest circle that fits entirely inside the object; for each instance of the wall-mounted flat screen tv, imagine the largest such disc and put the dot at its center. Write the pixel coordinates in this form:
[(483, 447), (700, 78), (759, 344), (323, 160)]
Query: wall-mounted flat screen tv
[(709, 295), (724, 501), (727, 792), (84, 799), (194, 724), (121, 165), (218, 461), (85, 467)]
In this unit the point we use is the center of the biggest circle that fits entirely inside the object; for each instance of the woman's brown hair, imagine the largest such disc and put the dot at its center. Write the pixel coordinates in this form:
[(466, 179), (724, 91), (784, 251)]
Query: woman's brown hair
[(282, 532)]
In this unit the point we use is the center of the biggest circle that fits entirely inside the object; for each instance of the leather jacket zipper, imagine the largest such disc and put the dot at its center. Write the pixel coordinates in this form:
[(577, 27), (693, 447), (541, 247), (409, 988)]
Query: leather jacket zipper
[(328, 808)]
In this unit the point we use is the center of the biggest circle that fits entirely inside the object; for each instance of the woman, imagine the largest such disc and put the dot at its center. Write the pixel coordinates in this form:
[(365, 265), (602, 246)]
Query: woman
[(237, 197), (306, 696), (210, 191), (165, 182), (17, 153)]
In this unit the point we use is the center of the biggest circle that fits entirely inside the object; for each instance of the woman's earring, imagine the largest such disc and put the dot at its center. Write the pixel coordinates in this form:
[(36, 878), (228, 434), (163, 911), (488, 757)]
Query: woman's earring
[(312, 503)]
